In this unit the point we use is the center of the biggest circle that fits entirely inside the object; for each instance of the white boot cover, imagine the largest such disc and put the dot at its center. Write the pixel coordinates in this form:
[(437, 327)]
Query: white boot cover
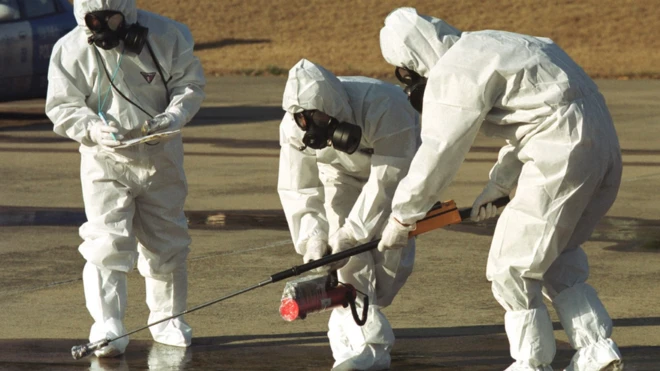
[(360, 347), (589, 327), (105, 296), (166, 296), (531, 338), (602, 356)]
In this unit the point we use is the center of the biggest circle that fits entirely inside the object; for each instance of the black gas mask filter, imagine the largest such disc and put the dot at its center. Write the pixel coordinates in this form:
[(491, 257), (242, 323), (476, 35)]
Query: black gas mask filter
[(415, 86), (109, 28), (322, 130)]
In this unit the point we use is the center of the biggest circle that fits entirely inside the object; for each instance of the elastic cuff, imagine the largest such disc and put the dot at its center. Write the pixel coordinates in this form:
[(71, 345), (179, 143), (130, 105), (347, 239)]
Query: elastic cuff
[(411, 224), (401, 223)]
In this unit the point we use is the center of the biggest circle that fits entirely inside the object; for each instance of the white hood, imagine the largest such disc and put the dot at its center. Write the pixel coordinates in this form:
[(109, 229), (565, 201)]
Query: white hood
[(310, 87), (415, 41), (126, 7)]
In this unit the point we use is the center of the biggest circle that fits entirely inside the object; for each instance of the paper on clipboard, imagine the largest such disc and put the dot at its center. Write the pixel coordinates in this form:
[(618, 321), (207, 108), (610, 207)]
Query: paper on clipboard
[(148, 138)]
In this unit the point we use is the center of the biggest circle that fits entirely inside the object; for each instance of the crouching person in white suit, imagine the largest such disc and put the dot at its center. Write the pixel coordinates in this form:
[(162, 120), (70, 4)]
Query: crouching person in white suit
[(345, 144), (562, 153)]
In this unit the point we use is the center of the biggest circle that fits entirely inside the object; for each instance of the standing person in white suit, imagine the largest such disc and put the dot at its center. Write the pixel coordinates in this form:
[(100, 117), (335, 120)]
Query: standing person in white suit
[(120, 74), (562, 153), (345, 144)]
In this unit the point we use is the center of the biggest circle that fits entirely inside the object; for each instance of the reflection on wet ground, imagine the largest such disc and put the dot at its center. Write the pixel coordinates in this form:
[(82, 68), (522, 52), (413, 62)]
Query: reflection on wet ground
[(33, 118), (210, 219), (475, 348), (631, 234), (471, 348), (33, 216), (237, 219), (625, 234)]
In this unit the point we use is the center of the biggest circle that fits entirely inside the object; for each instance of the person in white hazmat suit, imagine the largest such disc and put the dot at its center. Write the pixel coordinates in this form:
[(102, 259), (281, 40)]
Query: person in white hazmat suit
[(336, 196), (562, 153), (121, 73)]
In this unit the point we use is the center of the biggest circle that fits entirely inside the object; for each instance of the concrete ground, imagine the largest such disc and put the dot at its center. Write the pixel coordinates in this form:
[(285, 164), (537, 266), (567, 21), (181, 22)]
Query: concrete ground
[(445, 318)]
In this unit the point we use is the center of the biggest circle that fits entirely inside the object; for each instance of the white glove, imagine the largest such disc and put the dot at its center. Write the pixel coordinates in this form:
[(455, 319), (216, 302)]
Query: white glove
[(164, 121), (105, 135), (482, 208), (395, 235), (341, 240), (316, 248)]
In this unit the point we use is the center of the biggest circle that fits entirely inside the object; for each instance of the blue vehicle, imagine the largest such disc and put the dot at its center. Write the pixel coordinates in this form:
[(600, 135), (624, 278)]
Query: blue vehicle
[(28, 31)]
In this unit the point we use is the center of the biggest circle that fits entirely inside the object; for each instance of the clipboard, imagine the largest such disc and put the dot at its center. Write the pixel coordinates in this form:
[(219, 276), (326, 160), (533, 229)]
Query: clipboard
[(148, 138)]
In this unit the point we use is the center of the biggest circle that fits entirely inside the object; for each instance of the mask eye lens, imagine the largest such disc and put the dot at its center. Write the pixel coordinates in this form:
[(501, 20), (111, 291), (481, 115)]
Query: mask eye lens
[(407, 76), (114, 21), (92, 22), (301, 120), (98, 21), (403, 75), (320, 118)]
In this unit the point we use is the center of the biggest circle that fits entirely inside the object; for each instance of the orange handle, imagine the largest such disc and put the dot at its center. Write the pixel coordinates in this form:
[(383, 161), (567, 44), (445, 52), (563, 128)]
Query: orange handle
[(441, 214), (446, 213)]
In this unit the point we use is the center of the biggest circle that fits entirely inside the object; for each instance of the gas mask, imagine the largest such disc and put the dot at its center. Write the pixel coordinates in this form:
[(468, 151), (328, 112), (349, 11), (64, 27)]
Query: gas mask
[(415, 86), (322, 130), (109, 28)]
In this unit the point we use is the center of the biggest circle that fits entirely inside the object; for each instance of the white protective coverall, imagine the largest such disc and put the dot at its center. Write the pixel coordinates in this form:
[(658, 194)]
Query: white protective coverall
[(562, 152), (322, 190), (133, 197)]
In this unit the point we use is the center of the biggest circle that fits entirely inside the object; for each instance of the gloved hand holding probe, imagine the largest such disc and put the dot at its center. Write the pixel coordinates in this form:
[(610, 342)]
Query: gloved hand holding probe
[(482, 208), (395, 235), (341, 240), (316, 248)]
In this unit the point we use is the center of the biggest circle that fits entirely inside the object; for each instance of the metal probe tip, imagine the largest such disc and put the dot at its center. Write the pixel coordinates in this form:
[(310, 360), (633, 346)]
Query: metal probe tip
[(81, 351)]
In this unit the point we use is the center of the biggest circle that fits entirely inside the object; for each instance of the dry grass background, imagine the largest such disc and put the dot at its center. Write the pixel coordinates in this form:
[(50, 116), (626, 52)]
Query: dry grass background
[(609, 38)]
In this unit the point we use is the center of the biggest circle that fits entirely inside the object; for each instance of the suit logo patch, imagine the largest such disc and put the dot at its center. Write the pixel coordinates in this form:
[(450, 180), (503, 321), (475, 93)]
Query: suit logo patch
[(148, 76)]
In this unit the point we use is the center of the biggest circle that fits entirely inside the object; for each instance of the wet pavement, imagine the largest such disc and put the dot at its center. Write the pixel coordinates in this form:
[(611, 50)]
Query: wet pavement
[(416, 349), (444, 318)]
